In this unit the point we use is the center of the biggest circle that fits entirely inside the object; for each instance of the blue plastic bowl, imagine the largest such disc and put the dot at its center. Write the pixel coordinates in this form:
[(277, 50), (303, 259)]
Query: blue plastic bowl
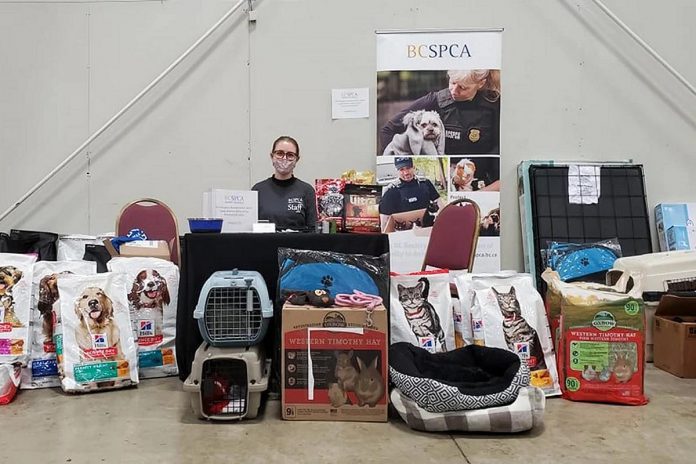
[(200, 225)]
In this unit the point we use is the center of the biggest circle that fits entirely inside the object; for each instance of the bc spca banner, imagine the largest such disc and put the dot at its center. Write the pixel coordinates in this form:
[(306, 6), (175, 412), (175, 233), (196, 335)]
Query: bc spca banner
[(438, 137)]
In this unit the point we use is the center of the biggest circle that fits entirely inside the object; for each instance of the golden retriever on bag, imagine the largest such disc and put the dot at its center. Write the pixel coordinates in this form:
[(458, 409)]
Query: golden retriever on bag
[(97, 333)]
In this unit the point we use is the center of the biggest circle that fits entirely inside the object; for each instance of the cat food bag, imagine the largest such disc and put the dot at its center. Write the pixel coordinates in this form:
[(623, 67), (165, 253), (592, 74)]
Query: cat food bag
[(470, 311), (153, 286), (42, 369), (94, 341), (508, 313), (421, 310), (361, 208), (602, 341), (329, 194), (15, 301)]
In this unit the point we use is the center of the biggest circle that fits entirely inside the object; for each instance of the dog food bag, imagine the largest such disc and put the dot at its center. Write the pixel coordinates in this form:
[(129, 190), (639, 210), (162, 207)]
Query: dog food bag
[(421, 310), (513, 318), (42, 369), (329, 194), (602, 342), (153, 286), (361, 208), (94, 340), (15, 301)]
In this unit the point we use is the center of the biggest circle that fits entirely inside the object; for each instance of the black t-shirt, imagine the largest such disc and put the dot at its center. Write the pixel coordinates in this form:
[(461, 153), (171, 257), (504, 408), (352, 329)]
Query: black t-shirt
[(290, 204), (407, 196)]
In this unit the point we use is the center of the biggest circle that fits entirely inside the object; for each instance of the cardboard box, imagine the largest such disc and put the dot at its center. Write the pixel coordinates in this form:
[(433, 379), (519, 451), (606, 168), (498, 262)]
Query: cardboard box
[(141, 248), (675, 340), (675, 226), (334, 367)]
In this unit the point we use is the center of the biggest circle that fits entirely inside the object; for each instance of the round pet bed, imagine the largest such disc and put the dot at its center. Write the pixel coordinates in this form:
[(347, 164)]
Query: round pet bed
[(472, 377)]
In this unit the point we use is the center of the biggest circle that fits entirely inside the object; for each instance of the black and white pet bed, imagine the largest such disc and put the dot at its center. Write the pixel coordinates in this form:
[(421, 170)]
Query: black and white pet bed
[(472, 377), (525, 413)]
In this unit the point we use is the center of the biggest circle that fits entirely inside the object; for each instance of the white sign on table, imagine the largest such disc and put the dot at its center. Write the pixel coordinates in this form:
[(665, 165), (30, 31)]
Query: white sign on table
[(239, 209)]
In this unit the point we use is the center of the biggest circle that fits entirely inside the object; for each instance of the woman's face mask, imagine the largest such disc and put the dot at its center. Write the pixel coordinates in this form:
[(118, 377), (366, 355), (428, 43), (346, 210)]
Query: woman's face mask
[(284, 166)]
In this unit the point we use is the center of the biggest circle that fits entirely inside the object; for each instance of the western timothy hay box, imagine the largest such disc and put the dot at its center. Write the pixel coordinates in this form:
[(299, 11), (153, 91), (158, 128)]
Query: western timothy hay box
[(334, 364)]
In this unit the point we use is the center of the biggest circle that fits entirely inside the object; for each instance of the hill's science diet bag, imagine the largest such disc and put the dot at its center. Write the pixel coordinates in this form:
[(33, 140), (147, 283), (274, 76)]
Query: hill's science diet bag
[(42, 369), (15, 301), (507, 312), (153, 286), (602, 343), (94, 340)]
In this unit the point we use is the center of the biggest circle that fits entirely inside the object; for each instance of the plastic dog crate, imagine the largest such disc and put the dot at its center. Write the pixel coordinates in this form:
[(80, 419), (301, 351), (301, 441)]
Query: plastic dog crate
[(227, 383), (671, 272), (234, 308)]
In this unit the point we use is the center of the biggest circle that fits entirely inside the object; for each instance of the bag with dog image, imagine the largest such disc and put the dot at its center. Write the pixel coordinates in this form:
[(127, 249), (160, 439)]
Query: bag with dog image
[(42, 369), (94, 341), (15, 300), (153, 286)]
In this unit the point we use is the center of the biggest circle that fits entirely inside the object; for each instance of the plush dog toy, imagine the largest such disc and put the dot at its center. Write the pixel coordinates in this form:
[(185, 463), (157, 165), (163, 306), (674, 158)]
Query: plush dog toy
[(319, 297)]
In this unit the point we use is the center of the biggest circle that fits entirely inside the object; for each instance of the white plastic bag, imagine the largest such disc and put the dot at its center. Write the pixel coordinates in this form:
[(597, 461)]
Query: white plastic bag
[(421, 310), (72, 247), (153, 286), (94, 342), (15, 300), (42, 369)]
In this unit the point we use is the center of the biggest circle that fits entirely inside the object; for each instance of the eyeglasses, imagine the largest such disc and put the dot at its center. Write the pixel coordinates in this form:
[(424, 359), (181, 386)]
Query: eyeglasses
[(288, 155)]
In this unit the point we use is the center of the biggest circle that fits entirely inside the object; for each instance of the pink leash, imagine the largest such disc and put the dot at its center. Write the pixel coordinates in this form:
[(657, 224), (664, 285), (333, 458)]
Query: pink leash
[(358, 298)]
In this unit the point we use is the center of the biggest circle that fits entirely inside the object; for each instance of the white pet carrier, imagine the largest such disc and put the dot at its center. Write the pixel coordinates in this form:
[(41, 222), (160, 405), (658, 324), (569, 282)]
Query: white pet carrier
[(227, 383), (660, 273), (234, 308)]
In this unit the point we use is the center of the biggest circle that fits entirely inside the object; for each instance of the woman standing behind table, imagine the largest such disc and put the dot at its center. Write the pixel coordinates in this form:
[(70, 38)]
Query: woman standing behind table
[(284, 199)]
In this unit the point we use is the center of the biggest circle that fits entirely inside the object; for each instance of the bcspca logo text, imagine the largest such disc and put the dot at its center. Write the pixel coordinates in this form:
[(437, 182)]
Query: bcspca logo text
[(295, 205), (453, 50)]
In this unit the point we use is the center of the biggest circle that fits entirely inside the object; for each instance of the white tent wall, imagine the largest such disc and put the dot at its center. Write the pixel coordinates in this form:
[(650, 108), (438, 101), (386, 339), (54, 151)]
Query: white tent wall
[(574, 87)]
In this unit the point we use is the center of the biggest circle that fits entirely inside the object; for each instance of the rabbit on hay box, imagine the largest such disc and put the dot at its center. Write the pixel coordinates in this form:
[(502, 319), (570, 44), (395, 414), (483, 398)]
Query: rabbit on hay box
[(334, 363)]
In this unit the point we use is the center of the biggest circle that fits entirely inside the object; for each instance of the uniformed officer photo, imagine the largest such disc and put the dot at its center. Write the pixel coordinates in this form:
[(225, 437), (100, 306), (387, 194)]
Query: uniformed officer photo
[(468, 107), (409, 201)]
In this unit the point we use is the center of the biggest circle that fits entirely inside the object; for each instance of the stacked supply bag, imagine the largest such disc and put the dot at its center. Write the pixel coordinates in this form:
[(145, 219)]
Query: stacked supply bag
[(42, 368), (505, 311), (153, 286)]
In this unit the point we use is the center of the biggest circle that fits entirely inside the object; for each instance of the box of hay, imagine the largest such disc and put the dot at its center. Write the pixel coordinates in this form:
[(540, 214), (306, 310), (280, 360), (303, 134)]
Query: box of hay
[(602, 342), (334, 363)]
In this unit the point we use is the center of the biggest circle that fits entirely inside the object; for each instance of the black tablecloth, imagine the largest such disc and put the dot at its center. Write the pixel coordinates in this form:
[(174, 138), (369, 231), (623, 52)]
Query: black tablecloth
[(203, 254)]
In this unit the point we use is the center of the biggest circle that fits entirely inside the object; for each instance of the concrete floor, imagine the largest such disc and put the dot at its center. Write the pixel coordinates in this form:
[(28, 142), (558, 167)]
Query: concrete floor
[(154, 424)]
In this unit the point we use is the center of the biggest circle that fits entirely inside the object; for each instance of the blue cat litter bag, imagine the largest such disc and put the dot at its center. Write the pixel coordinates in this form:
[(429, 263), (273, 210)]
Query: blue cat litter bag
[(334, 272), (573, 261)]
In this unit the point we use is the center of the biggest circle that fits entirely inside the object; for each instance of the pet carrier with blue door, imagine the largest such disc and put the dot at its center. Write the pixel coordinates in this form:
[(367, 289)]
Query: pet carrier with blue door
[(234, 309)]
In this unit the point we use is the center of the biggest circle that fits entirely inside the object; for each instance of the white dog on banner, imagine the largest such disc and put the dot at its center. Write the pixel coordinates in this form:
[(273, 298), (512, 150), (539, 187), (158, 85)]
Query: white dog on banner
[(424, 135)]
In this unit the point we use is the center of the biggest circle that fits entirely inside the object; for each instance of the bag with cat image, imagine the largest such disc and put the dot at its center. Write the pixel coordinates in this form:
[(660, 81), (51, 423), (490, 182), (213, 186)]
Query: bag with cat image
[(466, 309), (42, 369), (153, 286), (513, 317), (94, 340), (421, 310), (15, 301)]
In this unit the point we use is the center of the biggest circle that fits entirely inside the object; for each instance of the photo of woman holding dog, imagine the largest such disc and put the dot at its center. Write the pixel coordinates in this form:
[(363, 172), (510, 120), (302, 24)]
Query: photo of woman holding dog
[(460, 119)]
